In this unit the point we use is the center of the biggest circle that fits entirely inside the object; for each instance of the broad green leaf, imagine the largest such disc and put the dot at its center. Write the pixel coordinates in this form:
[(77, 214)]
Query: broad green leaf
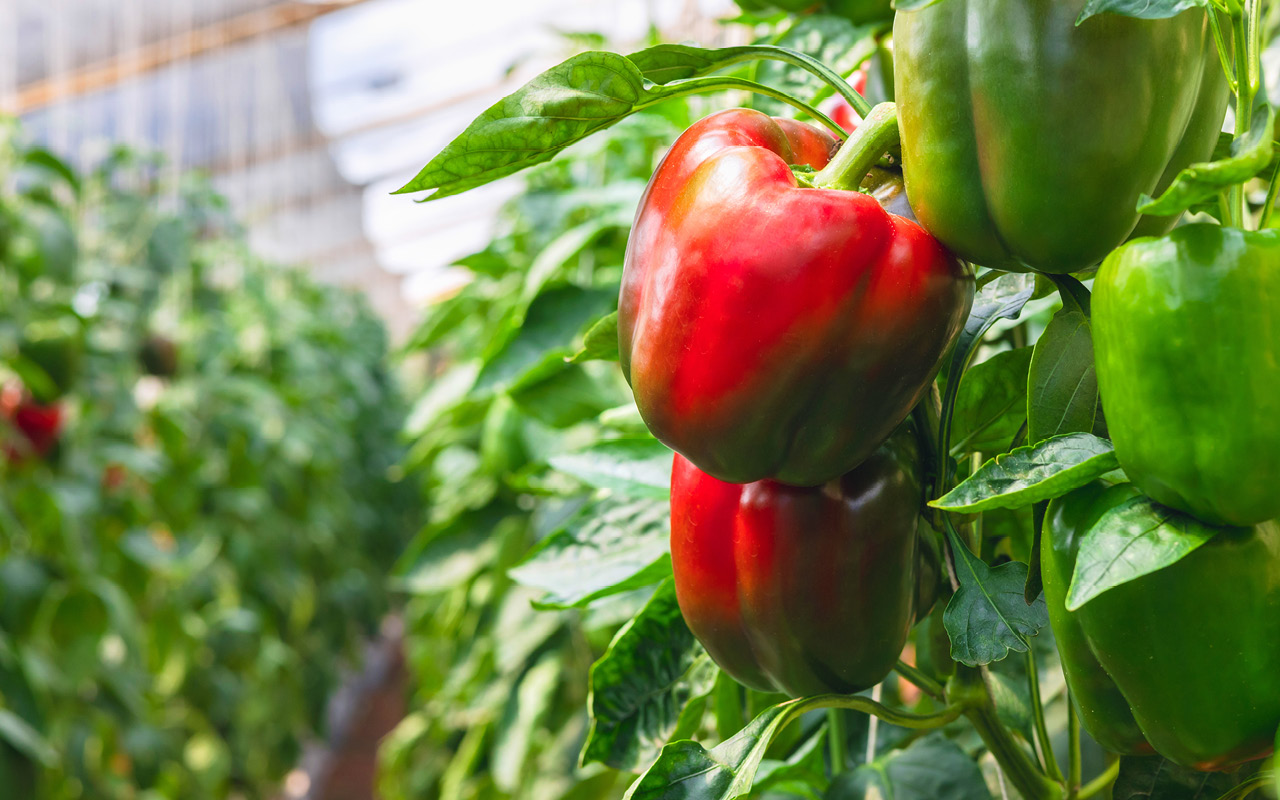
[(608, 548), (575, 393), (448, 562), (1154, 778), (992, 404), (1062, 383), (932, 768), (1250, 154), (567, 103), (987, 617), (1142, 9), (640, 687), (1031, 474), (912, 5), (600, 343), (1133, 539), (686, 770), (638, 467), (538, 350), (804, 773)]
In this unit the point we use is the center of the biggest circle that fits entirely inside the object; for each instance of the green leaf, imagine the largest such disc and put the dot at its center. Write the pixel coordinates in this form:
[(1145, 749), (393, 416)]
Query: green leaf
[(932, 768), (641, 685), (1033, 473), (1136, 538), (567, 103), (600, 342), (987, 617), (1154, 778), (1141, 9), (1062, 383), (686, 770), (1250, 155), (992, 404), (575, 393), (635, 467), (545, 339), (912, 5), (609, 547), (26, 739), (519, 730)]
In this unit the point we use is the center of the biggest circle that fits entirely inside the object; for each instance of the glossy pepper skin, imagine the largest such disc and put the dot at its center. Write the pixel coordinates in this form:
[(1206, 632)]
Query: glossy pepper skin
[(1103, 710), (1027, 141), (805, 590), (773, 331), (1193, 648), (1187, 346)]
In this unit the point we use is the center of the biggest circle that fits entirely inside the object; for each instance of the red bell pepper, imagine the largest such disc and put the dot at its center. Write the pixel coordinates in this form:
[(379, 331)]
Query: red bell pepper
[(775, 331), (805, 590)]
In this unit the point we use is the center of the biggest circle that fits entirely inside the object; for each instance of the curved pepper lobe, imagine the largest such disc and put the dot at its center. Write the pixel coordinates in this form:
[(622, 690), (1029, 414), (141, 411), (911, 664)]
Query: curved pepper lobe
[(770, 331)]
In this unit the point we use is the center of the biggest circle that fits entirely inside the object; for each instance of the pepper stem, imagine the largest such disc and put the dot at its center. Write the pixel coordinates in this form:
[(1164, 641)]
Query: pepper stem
[(874, 136)]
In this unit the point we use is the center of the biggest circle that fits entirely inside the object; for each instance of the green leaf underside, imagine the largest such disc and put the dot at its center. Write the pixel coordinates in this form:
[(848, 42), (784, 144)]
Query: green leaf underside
[(932, 768), (1062, 394), (1250, 154), (567, 103), (992, 403), (639, 467), (1136, 538), (609, 547), (988, 617), (640, 687), (1031, 474), (1141, 9)]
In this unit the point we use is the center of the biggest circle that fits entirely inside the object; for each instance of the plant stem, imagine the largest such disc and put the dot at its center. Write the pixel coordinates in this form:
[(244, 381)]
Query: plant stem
[(1101, 782), (1269, 205), (969, 689), (1073, 750), (877, 133), (1048, 759), (1244, 98), (926, 684), (837, 741), (715, 83)]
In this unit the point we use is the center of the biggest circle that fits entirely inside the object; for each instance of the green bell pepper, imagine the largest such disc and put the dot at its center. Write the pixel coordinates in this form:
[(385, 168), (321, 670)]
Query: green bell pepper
[(1193, 649), (1186, 332), (1027, 141)]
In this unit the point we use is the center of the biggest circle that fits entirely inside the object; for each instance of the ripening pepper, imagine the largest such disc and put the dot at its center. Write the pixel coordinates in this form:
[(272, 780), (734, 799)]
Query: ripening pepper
[(1186, 332), (1193, 649), (805, 590), (774, 331), (1027, 140)]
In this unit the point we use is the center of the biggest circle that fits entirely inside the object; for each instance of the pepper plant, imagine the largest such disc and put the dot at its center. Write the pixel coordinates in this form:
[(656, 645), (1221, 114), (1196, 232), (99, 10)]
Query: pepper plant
[(846, 398)]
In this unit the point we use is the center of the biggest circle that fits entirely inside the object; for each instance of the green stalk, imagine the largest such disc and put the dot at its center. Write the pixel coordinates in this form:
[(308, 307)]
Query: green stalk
[(855, 158), (969, 689), (1095, 786), (1048, 759), (807, 63), (837, 741), (926, 684), (1269, 205), (1073, 751), (1244, 99), (714, 83)]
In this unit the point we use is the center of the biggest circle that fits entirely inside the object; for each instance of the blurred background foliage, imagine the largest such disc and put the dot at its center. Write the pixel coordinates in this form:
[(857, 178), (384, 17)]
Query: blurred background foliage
[(200, 493)]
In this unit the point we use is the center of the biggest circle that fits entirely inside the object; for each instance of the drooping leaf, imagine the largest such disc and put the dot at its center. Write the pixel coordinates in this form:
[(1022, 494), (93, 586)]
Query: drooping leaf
[(609, 547), (1031, 474), (572, 100), (639, 467), (988, 617), (831, 39), (1133, 539), (1250, 155), (640, 687), (992, 403), (1062, 383), (932, 768)]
